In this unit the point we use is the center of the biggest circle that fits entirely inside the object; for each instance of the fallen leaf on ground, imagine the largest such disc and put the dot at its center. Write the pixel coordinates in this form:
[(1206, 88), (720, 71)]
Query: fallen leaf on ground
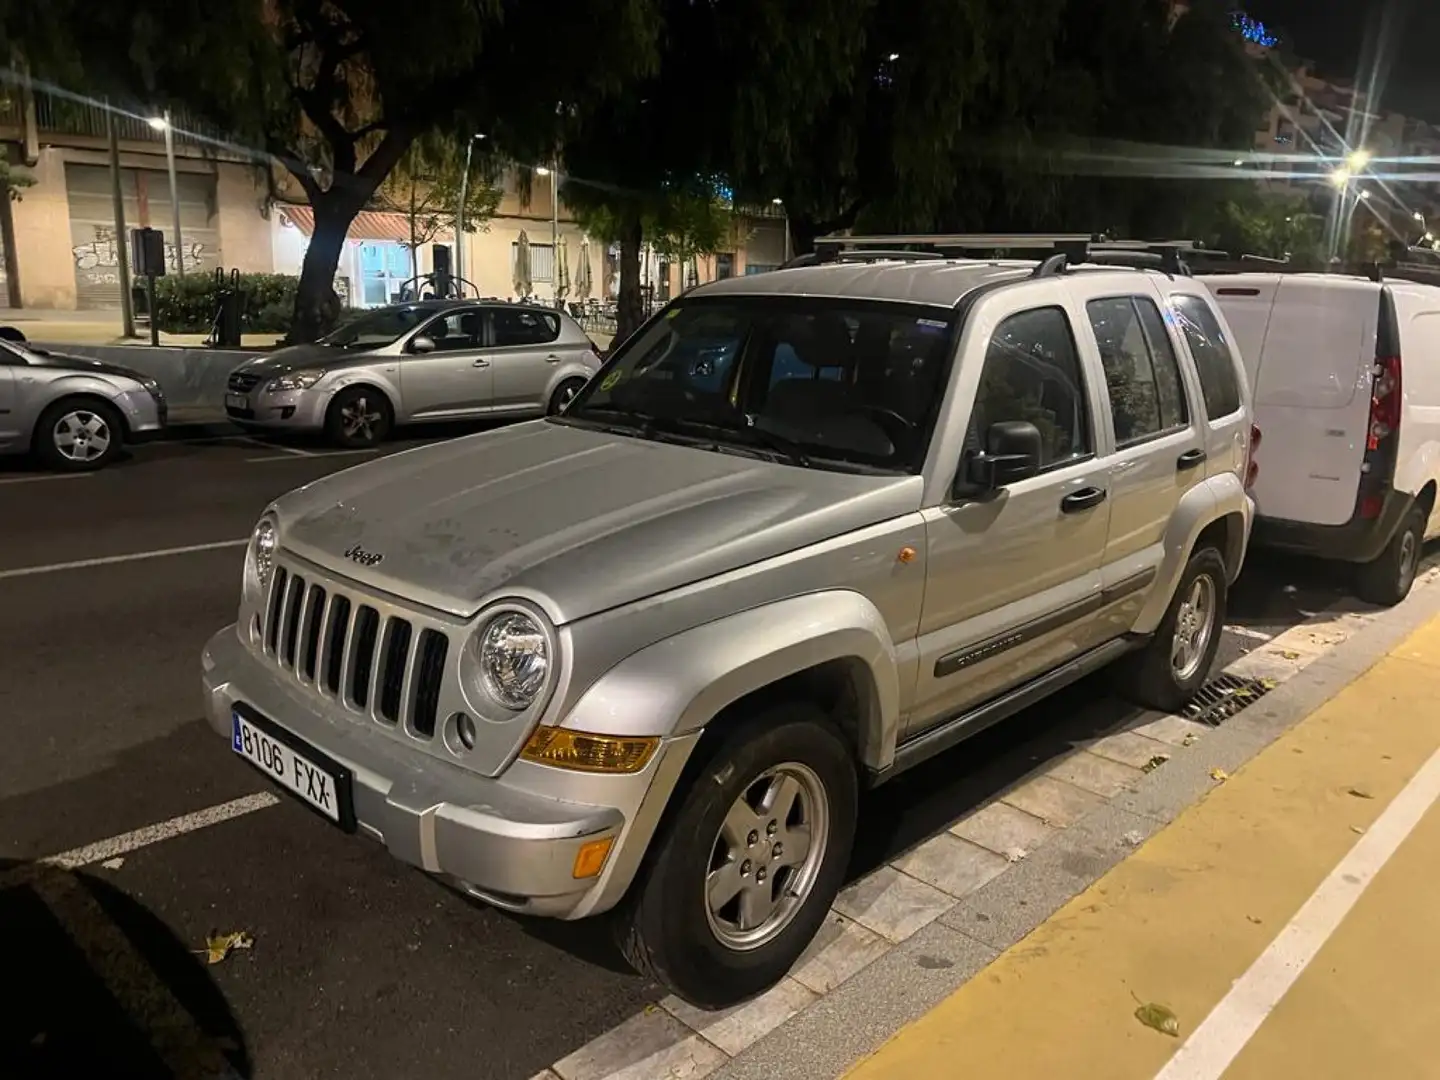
[(1219, 775), (1253, 919), (219, 946), (1155, 762), (1289, 654), (1190, 739), (1357, 830), (1269, 684), (1159, 1017), (1015, 854), (1133, 838), (113, 864), (1360, 793)]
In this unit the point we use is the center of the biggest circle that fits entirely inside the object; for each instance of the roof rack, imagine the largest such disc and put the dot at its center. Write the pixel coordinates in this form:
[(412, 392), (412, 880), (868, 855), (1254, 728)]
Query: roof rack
[(1058, 251)]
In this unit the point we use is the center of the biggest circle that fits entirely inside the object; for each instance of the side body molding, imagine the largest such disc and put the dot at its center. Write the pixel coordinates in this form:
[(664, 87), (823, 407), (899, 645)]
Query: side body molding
[(678, 685)]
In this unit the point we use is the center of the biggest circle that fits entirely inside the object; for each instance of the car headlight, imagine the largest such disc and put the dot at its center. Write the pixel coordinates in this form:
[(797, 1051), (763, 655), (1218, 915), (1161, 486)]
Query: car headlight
[(300, 380), (513, 658), (260, 557)]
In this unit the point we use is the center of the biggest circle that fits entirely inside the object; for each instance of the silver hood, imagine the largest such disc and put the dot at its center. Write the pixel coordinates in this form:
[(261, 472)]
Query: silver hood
[(303, 358), (578, 520)]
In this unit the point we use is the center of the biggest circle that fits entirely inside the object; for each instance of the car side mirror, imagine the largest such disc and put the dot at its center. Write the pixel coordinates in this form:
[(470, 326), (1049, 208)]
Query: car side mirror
[(422, 344), (1012, 453)]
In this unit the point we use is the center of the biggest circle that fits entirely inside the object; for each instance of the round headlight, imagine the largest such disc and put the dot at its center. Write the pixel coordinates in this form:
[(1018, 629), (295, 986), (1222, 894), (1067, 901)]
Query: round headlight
[(514, 660), (262, 550)]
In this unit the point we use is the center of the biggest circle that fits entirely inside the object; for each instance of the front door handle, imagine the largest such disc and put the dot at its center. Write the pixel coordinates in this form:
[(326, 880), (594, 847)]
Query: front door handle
[(1189, 459), (482, 362), (1084, 499)]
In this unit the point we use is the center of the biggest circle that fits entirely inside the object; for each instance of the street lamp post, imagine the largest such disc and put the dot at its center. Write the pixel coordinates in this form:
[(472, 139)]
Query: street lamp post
[(785, 216), (554, 175), (162, 123), (460, 214)]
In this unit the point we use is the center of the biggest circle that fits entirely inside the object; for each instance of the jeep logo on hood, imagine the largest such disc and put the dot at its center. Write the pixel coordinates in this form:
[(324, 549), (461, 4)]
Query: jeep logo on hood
[(363, 557)]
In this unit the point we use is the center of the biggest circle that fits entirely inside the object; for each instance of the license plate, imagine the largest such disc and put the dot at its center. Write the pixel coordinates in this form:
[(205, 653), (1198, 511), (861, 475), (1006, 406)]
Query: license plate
[(236, 401), (293, 765)]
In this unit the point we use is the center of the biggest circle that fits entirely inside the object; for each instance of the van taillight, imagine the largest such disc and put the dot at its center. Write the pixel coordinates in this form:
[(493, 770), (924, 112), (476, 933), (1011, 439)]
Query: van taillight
[(1252, 467), (1385, 402)]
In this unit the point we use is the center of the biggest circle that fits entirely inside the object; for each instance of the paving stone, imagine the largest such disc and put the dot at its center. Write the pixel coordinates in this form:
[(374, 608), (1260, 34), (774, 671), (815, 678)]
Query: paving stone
[(1003, 828), (1053, 801), (1129, 748), (1172, 729), (732, 1030), (840, 949), (952, 865), (644, 1047), (1090, 772), (892, 904)]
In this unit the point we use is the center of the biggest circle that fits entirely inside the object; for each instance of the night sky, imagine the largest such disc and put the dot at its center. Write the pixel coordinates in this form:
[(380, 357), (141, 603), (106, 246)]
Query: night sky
[(1337, 33)]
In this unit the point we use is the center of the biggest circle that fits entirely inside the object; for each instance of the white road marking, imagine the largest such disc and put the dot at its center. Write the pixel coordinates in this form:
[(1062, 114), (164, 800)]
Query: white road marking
[(110, 560), (312, 454), (1247, 632), (293, 451), (38, 479), (1216, 1043), (125, 843)]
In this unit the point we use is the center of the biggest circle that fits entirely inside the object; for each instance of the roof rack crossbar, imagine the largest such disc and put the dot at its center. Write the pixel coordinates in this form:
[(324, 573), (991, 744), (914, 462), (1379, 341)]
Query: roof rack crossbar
[(1017, 241), (882, 253)]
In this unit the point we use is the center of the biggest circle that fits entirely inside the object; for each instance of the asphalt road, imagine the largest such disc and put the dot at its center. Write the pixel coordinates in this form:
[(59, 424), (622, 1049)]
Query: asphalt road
[(360, 967)]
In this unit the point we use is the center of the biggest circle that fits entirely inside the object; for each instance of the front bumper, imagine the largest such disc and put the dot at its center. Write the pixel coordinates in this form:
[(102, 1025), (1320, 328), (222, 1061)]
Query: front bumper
[(145, 415), (288, 410), (506, 840)]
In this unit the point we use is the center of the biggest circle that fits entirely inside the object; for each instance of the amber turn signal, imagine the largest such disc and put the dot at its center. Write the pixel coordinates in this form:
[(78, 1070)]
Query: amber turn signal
[(590, 859), (583, 752)]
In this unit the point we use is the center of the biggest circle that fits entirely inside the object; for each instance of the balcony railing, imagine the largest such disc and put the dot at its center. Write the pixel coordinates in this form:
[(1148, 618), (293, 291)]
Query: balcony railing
[(64, 116)]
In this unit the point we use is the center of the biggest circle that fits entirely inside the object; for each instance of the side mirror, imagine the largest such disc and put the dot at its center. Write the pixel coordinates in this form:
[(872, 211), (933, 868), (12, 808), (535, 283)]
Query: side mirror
[(1012, 453), (422, 344)]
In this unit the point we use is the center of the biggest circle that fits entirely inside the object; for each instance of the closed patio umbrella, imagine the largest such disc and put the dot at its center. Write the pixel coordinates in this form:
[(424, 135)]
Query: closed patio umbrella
[(562, 271), (523, 284), (583, 283)]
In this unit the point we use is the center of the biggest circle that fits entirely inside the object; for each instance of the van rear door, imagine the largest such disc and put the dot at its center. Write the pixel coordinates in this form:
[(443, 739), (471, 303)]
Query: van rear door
[(1311, 376)]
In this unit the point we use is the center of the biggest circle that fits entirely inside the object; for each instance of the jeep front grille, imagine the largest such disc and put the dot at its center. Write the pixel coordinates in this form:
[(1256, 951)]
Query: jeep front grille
[(242, 383), (389, 667)]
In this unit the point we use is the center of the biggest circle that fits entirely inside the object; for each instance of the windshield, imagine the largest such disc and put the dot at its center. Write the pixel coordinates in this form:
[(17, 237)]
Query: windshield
[(376, 328), (825, 382)]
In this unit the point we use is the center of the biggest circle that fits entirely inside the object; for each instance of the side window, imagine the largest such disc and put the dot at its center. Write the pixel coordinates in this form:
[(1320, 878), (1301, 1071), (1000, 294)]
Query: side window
[(1141, 373), (1213, 358), (454, 331), (1032, 373), (520, 326)]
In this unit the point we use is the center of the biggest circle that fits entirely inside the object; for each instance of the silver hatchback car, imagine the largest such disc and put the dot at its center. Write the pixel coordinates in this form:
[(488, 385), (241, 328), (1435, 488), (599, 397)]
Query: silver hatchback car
[(73, 413), (409, 363)]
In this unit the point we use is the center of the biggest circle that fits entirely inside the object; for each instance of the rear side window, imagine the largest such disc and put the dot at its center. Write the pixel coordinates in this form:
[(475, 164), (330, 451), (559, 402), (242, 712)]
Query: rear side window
[(524, 327), (1213, 358), (1141, 373)]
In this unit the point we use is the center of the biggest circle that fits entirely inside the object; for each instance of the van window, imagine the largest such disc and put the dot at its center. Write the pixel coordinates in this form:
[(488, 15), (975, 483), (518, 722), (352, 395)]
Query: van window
[(1032, 373), (1141, 373), (1213, 359)]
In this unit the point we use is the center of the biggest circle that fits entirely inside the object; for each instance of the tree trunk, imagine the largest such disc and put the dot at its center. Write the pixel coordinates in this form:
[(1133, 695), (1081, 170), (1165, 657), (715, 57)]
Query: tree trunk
[(316, 305), (630, 309), (414, 247)]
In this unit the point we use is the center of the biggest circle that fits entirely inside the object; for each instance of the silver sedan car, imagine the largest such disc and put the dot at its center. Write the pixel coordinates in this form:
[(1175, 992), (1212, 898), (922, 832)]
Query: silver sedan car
[(73, 413), (410, 363)]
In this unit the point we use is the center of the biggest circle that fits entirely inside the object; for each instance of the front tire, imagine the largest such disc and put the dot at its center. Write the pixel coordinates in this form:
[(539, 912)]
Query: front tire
[(78, 435), (745, 871), (563, 395), (359, 417), (1386, 579), (1175, 663)]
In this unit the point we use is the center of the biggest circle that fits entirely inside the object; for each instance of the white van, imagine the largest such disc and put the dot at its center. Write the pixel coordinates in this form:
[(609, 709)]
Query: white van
[(1345, 376)]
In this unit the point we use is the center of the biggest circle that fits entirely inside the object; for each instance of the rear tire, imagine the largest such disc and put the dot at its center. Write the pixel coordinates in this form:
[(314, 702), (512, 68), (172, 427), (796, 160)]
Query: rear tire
[(359, 417), (78, 435), (1166, 673), (785, 776), (1386, 579), (563, 395)]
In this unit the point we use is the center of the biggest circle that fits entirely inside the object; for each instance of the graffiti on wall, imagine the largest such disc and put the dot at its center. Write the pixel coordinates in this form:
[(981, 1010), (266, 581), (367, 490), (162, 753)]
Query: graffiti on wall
[(98, 262)]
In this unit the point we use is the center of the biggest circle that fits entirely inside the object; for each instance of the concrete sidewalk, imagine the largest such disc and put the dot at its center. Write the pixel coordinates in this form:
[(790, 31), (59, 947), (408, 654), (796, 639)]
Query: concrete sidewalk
[(1324, 848)]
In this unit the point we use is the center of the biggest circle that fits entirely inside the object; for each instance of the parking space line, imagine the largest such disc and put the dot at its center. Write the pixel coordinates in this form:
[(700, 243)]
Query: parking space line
[(37, 479), (1218, 1041), (165, 830), (1247, 632), (110, 560), (291, 450), (310, 454)]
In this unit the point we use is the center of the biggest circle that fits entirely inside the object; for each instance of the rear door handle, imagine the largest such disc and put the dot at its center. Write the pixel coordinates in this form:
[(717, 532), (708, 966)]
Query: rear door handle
[(1084, 499), (1189, 459), (482, 362), (552, 359)]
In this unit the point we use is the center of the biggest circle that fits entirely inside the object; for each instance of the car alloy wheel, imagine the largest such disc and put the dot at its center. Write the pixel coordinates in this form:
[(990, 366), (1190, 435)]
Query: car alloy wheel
[(1194, 623), (359, 420), (81, 436), (767, 855)]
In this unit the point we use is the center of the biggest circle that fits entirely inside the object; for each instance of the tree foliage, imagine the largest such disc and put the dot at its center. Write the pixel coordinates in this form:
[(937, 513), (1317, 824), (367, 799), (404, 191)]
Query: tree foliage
[(426, 187), (336, 91)]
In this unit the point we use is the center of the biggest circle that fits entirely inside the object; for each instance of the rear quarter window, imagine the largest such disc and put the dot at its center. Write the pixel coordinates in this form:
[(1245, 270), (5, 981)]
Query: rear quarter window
[(1214, 359)]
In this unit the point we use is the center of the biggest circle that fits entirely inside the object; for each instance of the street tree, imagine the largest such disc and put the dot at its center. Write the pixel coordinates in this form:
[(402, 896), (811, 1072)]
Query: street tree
[(337, 91), (426, 186)]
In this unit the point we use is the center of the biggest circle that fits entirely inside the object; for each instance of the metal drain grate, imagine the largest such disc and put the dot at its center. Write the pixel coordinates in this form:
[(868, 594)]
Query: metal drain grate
[(1222, 697)]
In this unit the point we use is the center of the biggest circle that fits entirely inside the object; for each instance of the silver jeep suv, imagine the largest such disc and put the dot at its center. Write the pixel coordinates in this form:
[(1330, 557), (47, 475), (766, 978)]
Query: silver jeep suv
[(803, 531)]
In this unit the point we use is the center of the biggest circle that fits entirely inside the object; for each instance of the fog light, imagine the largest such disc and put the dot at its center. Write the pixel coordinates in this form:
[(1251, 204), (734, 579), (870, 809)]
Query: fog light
[(590, 859), (465, 731)]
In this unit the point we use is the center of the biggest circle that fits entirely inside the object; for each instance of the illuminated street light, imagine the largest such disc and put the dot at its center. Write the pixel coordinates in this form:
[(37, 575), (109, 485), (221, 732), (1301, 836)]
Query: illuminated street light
[(1340, 177), (1239, 162), (1418, 217), (1364, 195), (159, 123), (1358, 159), (541, 170)]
